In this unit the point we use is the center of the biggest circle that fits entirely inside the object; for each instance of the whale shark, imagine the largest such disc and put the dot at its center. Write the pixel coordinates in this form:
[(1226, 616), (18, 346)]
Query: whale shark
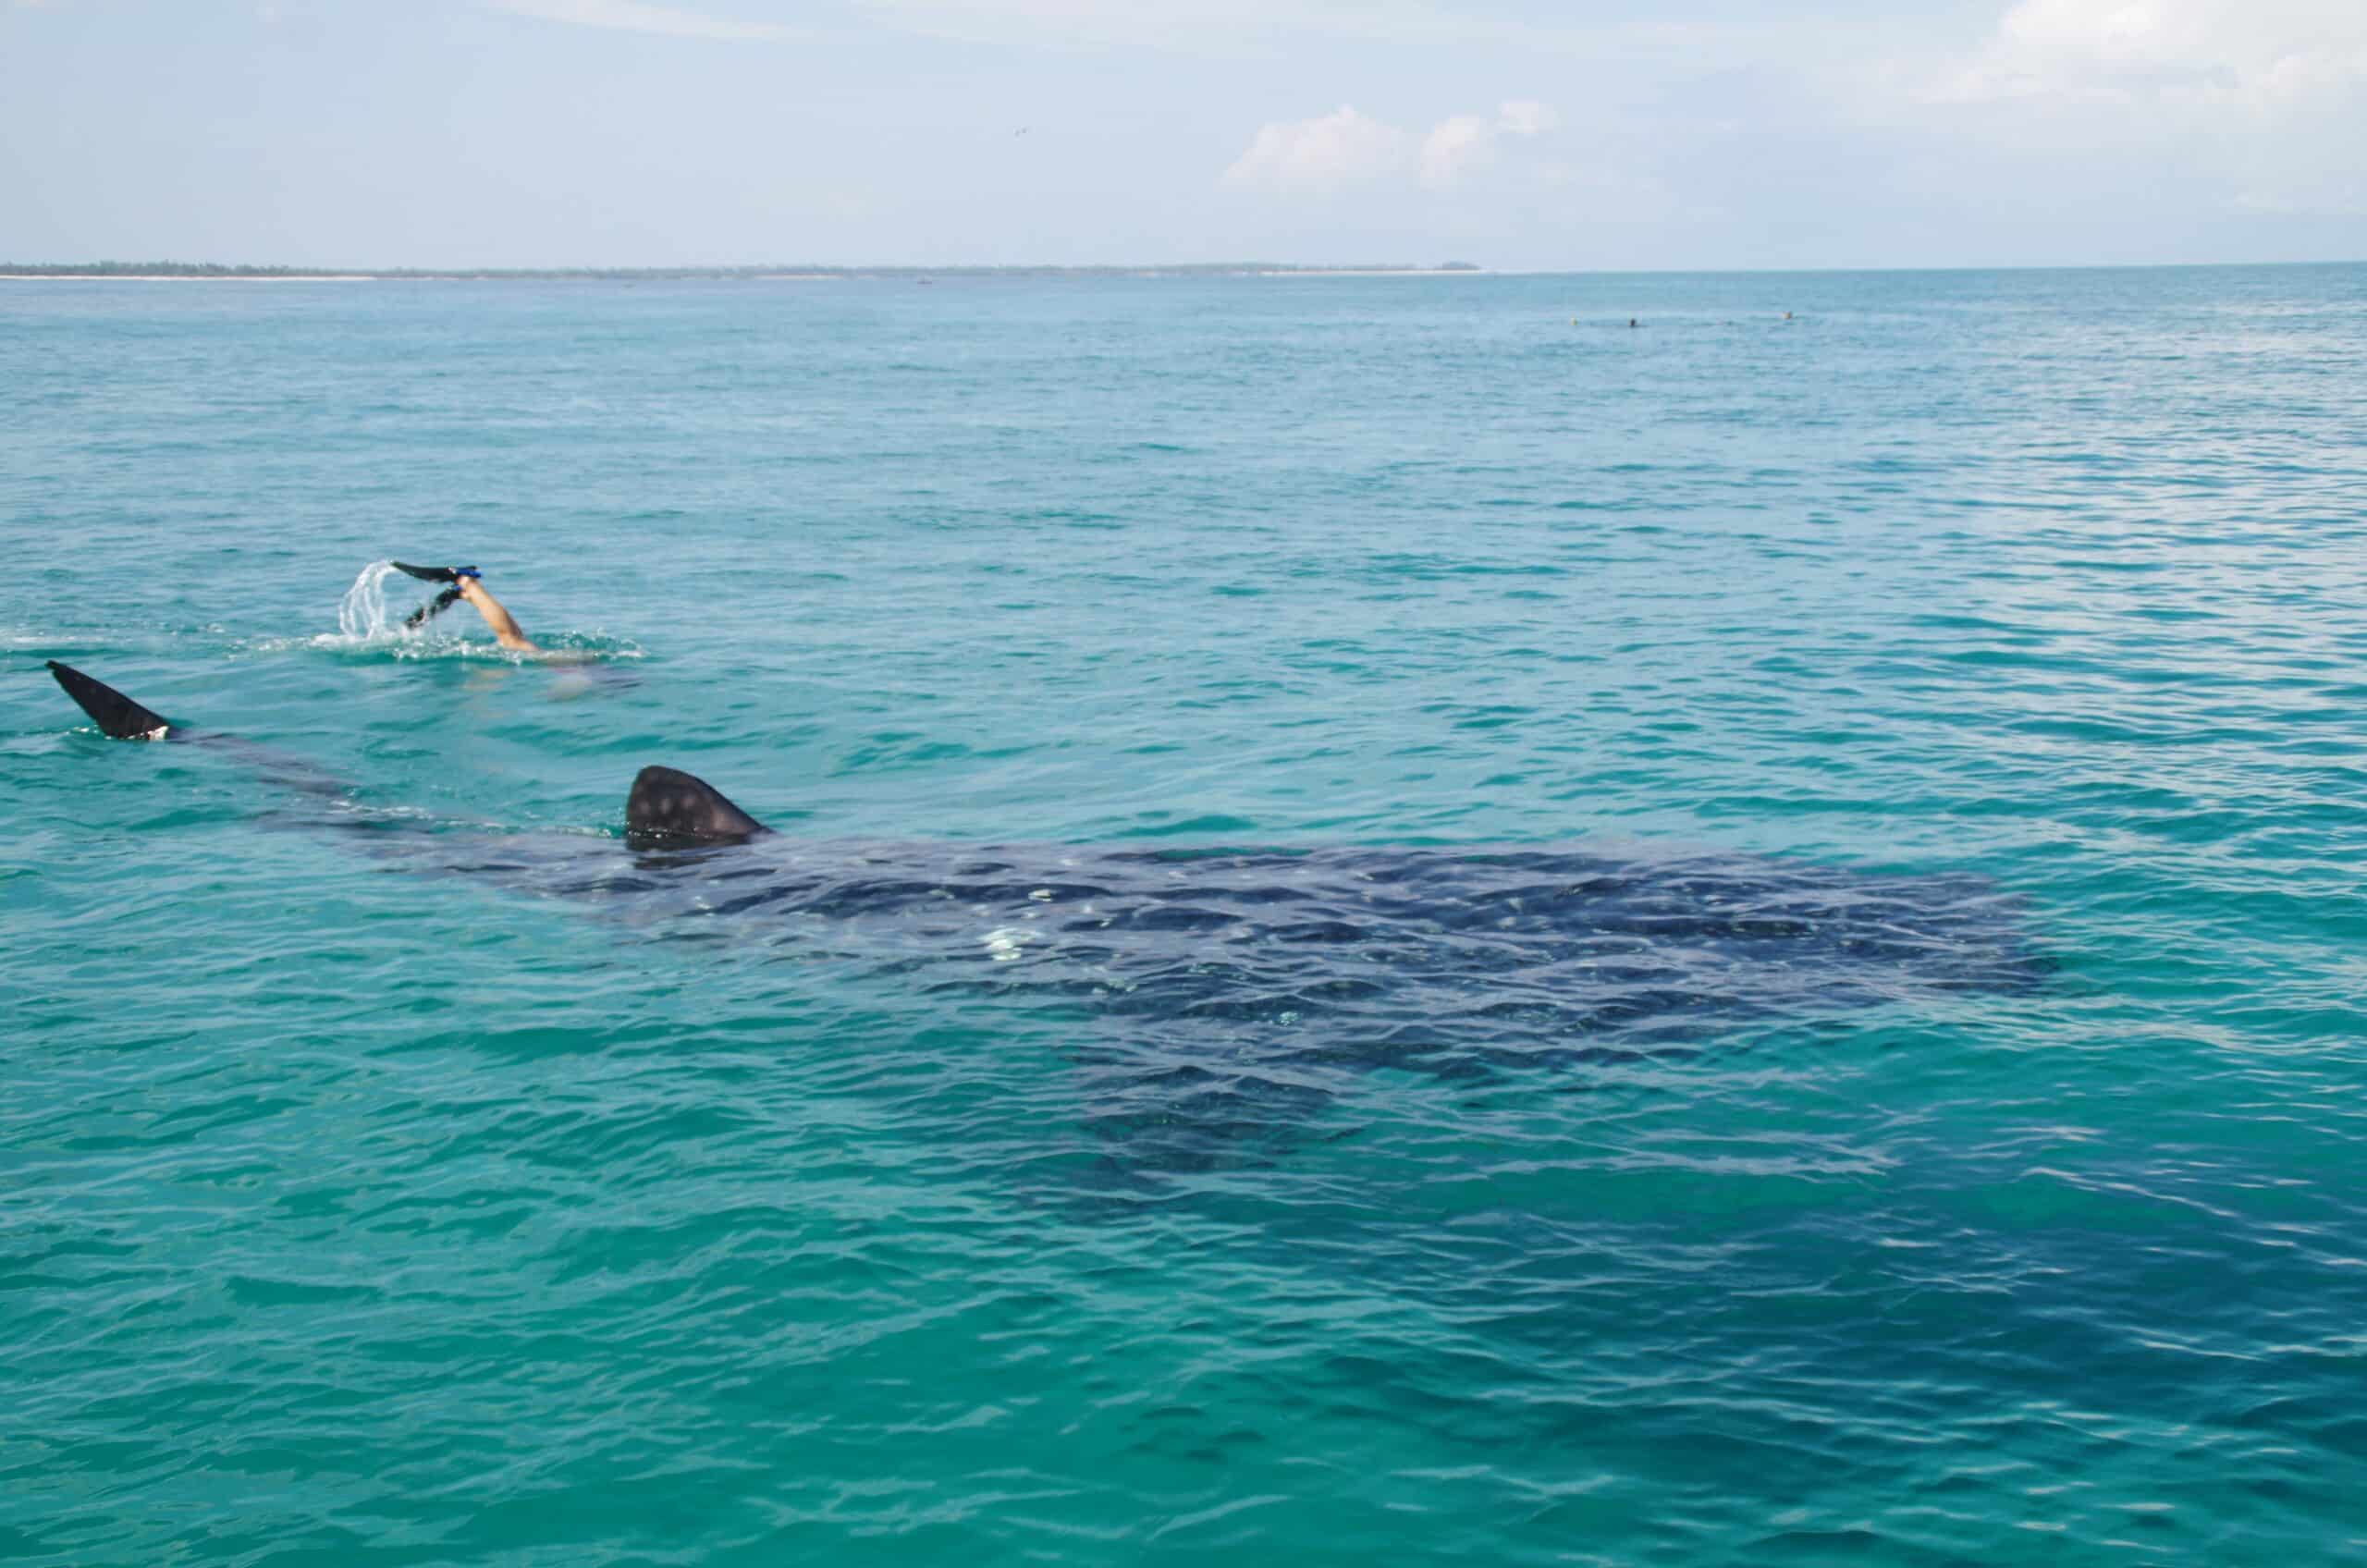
[(1233, 990)]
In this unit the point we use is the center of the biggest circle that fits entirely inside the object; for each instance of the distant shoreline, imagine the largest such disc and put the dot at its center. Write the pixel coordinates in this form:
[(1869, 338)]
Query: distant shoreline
[(176, 271), (188, 277)]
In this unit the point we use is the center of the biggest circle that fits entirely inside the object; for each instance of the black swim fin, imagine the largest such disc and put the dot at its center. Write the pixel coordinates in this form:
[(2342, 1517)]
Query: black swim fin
[(432, 573), (432, 608), (667, 806), (117, 716)]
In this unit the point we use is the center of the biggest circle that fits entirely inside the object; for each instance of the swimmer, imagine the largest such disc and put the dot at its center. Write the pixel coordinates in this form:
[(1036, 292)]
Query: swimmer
[(467, 583)]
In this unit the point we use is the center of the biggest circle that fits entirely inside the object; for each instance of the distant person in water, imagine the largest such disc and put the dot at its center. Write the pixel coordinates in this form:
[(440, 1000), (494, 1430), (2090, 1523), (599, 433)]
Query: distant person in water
[(504, 624)]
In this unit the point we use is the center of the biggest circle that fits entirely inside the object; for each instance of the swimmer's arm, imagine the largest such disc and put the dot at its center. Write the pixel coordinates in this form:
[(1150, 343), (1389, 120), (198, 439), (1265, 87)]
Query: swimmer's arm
[(504, 626)]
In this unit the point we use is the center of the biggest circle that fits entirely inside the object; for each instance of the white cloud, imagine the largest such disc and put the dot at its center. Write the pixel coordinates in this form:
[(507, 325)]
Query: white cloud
[(1460, 147), (1346, 148), (633, 15), (2114, 29), (1452, 147), (1523, 117), (2257, 52), (2240, 108), (1342, 148)]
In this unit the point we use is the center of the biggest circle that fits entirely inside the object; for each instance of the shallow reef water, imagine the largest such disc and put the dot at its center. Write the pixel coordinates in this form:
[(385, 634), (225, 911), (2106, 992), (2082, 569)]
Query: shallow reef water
[(1404, 924)]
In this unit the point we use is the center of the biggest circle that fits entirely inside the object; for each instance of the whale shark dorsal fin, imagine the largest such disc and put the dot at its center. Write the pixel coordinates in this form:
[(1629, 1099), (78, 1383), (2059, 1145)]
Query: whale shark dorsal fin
[(667, 806), (117, 716)]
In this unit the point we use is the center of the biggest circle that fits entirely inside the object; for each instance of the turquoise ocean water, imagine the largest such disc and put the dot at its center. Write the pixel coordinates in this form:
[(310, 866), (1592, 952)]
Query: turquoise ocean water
[(365, 1199)]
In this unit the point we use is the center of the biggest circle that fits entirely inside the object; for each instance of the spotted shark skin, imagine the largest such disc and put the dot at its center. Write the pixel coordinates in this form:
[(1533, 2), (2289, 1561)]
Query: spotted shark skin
[(1225, 992)]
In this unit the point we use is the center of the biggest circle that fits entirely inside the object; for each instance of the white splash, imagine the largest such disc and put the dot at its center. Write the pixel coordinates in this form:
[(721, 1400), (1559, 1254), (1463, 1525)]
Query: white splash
[(362, 614), (366, 623)]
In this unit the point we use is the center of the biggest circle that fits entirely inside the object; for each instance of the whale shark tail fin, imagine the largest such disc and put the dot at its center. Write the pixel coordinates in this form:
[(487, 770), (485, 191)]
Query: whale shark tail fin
[(117, 716), (667, 806)]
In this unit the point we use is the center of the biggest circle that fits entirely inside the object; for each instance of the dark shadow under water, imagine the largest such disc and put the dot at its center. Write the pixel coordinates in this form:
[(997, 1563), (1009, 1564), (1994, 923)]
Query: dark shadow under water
[(1226, 997)]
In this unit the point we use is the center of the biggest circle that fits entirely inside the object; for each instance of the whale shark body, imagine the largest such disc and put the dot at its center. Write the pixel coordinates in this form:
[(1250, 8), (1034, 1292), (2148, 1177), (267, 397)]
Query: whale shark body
[(1227, 986)]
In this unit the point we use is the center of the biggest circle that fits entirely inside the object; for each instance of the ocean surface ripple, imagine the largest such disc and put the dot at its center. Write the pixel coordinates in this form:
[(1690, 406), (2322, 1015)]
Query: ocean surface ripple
[(1406, 924)]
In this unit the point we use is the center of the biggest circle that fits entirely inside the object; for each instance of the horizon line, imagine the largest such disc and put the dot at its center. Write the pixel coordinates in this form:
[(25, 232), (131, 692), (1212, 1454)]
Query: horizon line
[(103, 270)]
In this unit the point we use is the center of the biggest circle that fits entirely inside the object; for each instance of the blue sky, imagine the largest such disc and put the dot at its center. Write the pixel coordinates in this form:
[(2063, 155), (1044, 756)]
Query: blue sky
[(1688, 133)]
